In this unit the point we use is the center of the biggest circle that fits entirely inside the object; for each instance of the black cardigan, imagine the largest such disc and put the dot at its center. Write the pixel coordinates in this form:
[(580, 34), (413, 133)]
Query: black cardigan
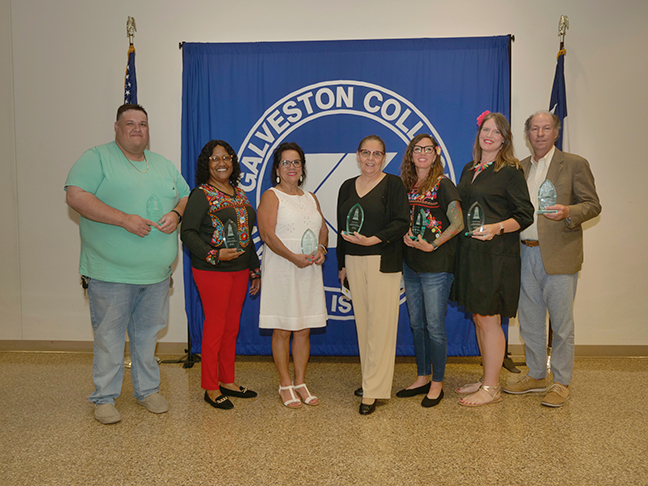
[(393, 226)]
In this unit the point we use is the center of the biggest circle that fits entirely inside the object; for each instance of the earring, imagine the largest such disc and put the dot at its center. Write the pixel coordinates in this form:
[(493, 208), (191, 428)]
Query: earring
[(277, 179), (301, 179)]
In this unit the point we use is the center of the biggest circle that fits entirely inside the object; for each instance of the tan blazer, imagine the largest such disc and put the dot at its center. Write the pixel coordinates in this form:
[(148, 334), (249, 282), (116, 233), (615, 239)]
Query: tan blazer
[(561, 242)]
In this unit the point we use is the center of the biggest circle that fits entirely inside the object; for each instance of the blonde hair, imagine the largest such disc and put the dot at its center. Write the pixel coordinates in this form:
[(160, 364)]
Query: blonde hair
[(505, 155)]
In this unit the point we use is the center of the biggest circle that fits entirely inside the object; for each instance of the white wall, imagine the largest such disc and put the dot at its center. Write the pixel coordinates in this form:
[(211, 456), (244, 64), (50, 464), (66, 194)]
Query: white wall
[(62, 66), (10, 327)]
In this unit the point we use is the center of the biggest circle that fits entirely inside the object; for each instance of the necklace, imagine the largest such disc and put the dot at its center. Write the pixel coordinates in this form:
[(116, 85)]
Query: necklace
[(140, 171), (480, 168)]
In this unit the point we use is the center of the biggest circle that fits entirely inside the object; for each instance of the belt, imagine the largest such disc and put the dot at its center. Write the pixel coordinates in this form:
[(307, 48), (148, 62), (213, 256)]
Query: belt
[(531, 242)]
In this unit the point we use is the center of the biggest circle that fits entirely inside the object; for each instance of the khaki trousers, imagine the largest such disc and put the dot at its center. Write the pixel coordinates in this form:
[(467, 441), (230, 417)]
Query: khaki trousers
[(375, 297)]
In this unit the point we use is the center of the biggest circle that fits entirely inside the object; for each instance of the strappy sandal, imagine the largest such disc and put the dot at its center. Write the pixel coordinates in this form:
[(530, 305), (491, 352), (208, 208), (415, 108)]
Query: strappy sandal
[(479, 384), (293, 402), (495, 393), (311, 400)]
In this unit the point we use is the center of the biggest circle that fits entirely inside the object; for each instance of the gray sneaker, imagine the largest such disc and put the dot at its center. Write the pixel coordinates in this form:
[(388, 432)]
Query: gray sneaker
[(526, 384), (106, 413), (155, 403)]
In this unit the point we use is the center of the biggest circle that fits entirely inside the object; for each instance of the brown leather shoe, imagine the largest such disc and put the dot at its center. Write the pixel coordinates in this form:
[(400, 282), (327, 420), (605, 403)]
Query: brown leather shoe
[(556, 396), (526, 384)]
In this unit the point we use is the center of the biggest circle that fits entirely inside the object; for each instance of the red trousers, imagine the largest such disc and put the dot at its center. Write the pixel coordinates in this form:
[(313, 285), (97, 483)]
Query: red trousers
[(222, 295)]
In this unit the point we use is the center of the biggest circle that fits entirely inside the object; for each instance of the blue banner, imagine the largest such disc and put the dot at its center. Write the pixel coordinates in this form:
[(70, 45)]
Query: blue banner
[(327, 96)]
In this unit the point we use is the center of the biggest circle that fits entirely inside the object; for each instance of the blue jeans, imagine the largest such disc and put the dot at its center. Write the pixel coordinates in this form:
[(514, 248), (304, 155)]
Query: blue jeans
[(427, 303), (539, 293), (115, 308)]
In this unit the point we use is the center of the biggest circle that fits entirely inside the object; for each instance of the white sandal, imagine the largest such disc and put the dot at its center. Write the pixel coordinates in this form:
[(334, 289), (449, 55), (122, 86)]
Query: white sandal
[(293, 402), (309, 398)]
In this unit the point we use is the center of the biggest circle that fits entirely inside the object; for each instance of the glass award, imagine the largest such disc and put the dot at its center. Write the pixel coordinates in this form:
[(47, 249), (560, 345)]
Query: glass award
[(547, 197), (154, 210), (231, 235), (418, 228), (309, 243), (475, 219), (355, 219)]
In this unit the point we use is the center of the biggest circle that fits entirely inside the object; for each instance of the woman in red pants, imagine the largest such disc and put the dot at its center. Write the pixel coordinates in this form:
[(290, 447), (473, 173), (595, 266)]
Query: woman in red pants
[(217, 227)]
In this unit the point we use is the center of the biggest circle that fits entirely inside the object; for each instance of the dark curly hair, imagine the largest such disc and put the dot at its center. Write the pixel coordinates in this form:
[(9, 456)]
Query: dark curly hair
[(202, 165), (277, 157), (408, 169)]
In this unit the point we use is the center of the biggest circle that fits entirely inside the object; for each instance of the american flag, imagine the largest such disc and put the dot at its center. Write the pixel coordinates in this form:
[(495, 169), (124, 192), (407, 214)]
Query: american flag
[(130, 79)]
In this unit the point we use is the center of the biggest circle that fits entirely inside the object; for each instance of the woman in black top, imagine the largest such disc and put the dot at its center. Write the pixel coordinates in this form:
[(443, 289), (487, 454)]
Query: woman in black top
[(435, 217), (372, 259), (217, 228), (487, 280)]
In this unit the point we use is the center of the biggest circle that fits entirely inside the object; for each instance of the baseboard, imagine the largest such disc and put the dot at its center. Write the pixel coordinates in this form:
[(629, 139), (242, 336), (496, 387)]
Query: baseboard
[(80, 347), (515, 350), (593, 351)]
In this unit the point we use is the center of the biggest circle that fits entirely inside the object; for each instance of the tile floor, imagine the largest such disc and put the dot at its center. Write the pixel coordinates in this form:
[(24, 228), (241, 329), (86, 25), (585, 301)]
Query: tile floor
[(48, 435)]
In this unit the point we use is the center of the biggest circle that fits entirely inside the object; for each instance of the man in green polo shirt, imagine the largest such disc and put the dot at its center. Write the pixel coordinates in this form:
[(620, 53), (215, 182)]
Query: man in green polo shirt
[(130, 200)]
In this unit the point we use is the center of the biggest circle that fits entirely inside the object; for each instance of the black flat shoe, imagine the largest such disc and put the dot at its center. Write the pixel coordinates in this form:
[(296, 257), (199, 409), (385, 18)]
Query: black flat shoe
[(421, 390), (358, 392), (432, 402), (221, 402), (244, 393), (367, 409)]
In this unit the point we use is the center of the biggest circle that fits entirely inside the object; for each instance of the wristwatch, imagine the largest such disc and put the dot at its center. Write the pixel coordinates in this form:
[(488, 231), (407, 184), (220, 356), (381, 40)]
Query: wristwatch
[(501, 231)]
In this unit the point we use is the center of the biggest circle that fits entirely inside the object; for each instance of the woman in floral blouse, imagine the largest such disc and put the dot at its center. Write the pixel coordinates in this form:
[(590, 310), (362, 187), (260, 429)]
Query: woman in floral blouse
[(217, 227)]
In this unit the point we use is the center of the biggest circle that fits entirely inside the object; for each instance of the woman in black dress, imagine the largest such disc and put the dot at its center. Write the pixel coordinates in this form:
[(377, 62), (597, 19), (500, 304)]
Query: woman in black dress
[(487, 280)]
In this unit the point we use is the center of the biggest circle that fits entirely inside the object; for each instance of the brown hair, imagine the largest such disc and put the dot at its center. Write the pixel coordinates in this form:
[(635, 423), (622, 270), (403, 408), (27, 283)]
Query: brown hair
[(372, 137), (130, 106), (554, 118), (408, 169), (505, 156), (276, 159)]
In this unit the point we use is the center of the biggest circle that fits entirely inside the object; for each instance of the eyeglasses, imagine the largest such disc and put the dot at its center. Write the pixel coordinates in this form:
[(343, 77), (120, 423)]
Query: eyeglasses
[(368, 153), (428, 149), (224, 158), (295, 163)]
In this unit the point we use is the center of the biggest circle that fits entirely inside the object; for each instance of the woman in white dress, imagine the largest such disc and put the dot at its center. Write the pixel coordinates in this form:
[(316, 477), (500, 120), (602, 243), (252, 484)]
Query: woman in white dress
[(292, 297)]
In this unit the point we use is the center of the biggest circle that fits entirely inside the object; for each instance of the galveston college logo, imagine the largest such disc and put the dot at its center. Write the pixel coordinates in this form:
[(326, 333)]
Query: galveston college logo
[(327, 171)]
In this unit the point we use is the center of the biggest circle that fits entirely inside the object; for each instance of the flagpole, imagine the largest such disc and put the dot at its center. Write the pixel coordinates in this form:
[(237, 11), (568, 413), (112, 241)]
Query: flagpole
[(130, 78), (558, 97), (131, 28), (563, 25)]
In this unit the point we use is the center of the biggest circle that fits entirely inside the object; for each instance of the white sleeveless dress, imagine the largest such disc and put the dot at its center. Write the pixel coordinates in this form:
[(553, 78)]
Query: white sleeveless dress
[(292, 298)]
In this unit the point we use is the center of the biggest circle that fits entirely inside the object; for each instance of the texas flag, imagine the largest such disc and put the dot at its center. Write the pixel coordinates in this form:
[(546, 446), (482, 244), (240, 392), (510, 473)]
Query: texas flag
[(558, 102)]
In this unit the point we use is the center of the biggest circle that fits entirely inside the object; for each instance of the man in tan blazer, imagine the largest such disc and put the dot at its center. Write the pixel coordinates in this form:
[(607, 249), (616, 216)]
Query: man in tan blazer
[(552, 255)]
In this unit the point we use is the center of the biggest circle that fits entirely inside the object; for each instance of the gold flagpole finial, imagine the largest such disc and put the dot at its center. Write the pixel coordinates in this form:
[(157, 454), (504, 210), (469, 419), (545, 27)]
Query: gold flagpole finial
[(563, 25), (131, 28)]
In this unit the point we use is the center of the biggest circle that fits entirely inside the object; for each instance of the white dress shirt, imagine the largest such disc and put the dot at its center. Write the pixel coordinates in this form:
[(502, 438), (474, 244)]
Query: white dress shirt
[(537, 175)]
